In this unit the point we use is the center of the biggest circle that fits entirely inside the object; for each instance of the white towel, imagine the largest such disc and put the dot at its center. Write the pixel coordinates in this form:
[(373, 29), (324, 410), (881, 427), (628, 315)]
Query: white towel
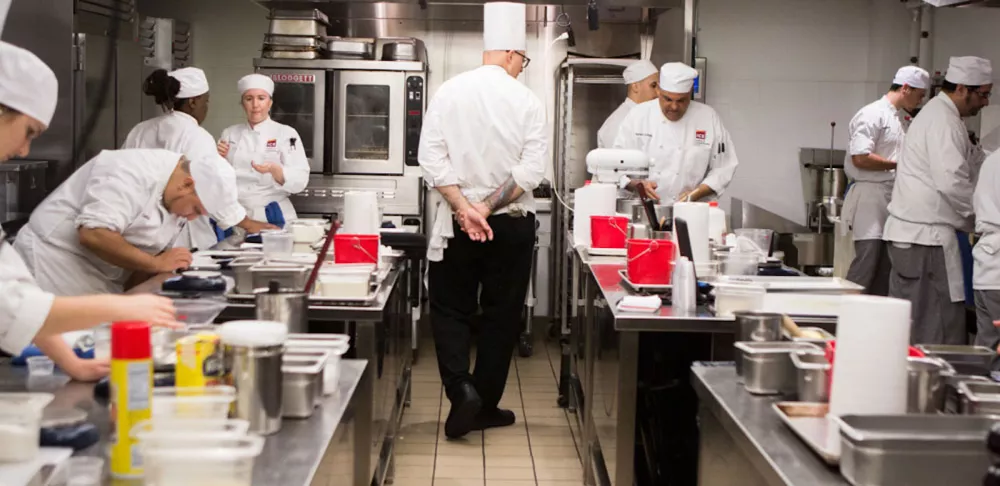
[(635, 303), (442, 229)]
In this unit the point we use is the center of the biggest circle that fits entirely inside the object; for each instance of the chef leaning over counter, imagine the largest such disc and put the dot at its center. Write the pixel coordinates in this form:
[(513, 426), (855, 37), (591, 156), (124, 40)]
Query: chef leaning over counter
[(876, 133), (483, 148), (691, 155), (641, 79), (269, 158), (28, 94), (184, 96), (932, 200)]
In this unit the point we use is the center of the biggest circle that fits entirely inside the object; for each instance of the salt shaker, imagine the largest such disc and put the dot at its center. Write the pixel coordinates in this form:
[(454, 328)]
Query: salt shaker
[(683, 287)]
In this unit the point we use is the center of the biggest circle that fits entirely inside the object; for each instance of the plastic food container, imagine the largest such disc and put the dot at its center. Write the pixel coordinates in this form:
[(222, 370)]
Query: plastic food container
[(40, 365), (761, 239), (102, 342), (20, 419), (210, 402), (198, 311), (307, 231), (277, 243), (164, 431), (344, 285), (733, 298), (740, 264), (199, 462)]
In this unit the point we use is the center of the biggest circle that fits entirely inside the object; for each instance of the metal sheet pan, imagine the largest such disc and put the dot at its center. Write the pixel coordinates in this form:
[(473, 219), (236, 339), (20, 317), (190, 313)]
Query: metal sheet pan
[(808, 421)]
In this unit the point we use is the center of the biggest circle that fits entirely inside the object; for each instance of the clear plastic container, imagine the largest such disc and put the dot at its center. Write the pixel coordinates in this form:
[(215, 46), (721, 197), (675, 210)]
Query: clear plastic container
[(20, 418), (740, 263), (102, 342), (197, 462), (277, 243), (206, 403), (40, 366), (84, 471), (760, 239), (198, 311), (733, 298), (157, 431), (707, 269)]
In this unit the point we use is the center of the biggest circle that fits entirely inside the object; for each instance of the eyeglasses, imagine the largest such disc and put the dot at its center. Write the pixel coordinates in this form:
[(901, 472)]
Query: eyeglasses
[(525, 60), (984, 94)]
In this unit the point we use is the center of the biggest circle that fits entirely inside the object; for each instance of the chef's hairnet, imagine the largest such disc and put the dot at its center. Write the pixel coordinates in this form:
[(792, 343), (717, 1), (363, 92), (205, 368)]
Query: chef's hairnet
[(27, 84), (193, 82), (638, 71), (677, 77), (210, 182), (504, 26), (255, 81), (970, 71), (913, 77)]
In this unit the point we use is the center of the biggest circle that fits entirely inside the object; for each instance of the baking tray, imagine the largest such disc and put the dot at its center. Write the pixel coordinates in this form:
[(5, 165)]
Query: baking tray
[(808, 421), (802, 305), (812, 285), (643, 288), (367, 301), (609, 252)]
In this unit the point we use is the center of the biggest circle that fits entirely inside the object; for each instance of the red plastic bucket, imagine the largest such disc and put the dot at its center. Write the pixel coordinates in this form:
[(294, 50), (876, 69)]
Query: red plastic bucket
[(355, 248), (608, 231), (649, 261)]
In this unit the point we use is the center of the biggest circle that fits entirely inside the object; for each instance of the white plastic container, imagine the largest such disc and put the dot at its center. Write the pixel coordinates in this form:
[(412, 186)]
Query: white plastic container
[(154, 432), (732, 298), (197, 462), (344, 285), (716, 223), (307, 231), (206, 403), (277, 243), (336, 344), (20, 418)]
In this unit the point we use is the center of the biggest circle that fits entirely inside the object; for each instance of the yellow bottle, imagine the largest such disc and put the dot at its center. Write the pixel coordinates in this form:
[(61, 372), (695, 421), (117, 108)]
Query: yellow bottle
[(131, 392)]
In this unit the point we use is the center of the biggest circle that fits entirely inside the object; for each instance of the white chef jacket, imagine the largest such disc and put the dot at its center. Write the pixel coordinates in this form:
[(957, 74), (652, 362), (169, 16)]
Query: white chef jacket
[(268, 142), (879, 128), (179, 132), (683, 154), (481, 128), (118, 190), (609, 130), (23, 306), (986, 203), (932, 195)]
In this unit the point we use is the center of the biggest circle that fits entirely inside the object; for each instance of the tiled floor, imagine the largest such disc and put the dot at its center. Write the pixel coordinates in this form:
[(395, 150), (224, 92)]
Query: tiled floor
[(538, 450)]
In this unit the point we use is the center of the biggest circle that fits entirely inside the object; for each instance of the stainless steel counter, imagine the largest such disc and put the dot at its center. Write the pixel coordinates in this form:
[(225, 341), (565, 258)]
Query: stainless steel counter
[(744, 442), (318, 450)]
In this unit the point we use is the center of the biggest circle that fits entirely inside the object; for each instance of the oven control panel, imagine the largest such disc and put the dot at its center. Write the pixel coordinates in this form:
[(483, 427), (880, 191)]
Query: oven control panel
[(414, 117)]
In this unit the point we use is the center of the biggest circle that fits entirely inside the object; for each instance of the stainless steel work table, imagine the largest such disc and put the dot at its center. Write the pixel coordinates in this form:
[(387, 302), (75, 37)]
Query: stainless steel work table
[(744, 442), (381, 335), (318, 450), (604, 361)]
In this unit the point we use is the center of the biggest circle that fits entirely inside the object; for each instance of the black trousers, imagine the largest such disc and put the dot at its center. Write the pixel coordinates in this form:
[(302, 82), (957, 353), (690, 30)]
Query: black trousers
[(502, 268)]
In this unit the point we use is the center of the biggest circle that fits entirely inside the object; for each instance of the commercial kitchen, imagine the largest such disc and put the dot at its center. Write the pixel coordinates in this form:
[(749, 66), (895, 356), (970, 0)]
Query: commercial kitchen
[(743, 268)]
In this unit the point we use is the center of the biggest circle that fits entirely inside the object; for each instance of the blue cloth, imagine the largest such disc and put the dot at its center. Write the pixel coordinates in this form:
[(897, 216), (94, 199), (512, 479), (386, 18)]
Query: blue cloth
[(30, 351), (220, 234), (274, 215), (965, 249)]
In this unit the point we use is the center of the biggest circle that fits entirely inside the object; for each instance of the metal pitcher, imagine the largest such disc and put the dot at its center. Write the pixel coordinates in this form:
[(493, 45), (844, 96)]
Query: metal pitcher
[(288, 307)]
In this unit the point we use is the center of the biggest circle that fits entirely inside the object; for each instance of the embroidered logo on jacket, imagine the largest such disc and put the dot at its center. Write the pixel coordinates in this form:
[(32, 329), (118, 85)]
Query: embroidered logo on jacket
[(272, 143)]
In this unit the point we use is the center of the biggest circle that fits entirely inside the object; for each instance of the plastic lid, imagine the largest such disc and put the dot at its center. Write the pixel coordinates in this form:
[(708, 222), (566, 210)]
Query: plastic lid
[(253, 333), (713, 204), (62, 417), (130, 340)]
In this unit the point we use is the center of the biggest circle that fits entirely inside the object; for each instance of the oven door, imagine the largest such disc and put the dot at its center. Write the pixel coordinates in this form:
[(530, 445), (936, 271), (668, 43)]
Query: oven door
[(299, 100), (369, 129)]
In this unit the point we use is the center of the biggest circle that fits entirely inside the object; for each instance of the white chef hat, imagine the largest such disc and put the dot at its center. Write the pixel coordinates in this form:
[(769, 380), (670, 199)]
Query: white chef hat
[(27, 84), (504, 26), (970, 71), (193, 82), (677, 77), (638, 71), (913, 77), (211, 182), (255, 81)]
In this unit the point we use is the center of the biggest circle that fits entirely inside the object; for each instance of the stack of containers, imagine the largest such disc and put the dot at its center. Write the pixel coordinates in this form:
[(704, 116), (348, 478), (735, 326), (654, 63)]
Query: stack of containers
[(358, 240)]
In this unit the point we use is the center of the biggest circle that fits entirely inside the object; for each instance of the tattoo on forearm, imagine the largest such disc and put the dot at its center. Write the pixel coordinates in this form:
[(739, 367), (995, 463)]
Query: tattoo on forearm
[(504, 195)]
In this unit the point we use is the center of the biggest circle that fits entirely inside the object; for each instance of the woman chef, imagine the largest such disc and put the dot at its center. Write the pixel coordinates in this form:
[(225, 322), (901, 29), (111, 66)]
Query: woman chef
[(269, 158), (691, 155), (183, 94), (28, 94)]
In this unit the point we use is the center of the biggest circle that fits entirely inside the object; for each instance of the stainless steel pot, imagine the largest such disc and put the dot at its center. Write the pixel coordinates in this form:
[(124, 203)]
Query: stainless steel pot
[(252, 355), (287, 307)]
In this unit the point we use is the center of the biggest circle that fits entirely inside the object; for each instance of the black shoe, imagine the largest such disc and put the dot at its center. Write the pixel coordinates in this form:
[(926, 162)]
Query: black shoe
[(496, 417), (465, 405)]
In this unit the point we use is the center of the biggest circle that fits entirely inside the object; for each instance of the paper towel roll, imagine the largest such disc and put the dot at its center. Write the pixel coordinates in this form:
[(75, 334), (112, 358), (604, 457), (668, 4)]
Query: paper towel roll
[(361, 213), (595, 199), (870, 367), (696, 216)]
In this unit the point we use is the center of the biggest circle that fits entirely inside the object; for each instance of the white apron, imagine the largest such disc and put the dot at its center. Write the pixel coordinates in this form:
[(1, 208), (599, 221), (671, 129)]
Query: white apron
[(866, 208), (678, 169)]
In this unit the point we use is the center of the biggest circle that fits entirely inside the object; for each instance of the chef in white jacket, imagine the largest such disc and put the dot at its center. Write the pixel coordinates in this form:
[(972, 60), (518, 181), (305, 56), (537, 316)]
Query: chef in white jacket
[(483, 148), (691, 154), (932, 199), (986, 260), (269, 157), (184, 96), (876, 144), (28, 95), (641, 79)]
